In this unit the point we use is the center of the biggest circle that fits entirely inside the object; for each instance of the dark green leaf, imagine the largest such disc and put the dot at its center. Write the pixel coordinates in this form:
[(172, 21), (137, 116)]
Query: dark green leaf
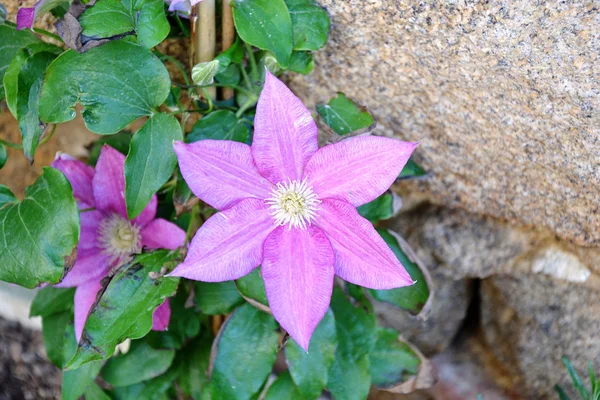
[(577, 383), (217, 298), (141, 363), (51, 300), (310, 24), (155, 389), (12, 42), (383, 207), (265, 24), (126, 306), (152, 24), (94, 392), (345, 116), (116, 83), (234, 54), (150, 161), (392, 361), (561, 393), (193, 378), (76, 382), (412, 298), (252, 287), (284, 389), (230, 76), (119, 142), (172, 101), (219, 125), (38, 234), (411, 170), (311, 370), (243, 354), (3, 155), (56, 337), (349, 377), (6, 196), (302, 62)]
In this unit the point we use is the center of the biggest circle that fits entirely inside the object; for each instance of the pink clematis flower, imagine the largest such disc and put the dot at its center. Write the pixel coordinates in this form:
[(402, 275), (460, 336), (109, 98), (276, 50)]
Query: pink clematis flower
[(108, 237), (182, 6), (292, 208)]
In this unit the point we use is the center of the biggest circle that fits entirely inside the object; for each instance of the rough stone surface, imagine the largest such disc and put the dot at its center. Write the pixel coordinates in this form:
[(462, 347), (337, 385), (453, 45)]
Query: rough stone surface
[(504, 95)]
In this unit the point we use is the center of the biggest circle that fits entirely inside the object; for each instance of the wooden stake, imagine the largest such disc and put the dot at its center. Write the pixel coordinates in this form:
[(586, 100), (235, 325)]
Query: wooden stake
[(228, 37), (205, 38)]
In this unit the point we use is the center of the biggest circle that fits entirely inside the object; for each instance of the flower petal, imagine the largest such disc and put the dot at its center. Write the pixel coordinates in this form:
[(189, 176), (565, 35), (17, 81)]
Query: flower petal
[(148, 213), (79, 175), (89, 224), (361, 255), (358, 169), (221, 172), (162, 234), (161, 316), (94, 264), (85, 296), (25, 18), (109, 182), (298, 272), (285, 134), (229, 244)]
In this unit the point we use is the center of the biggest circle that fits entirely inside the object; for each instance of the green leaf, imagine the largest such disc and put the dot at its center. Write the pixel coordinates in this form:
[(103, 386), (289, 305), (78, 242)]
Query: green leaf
[(51, 300), (284, 389), (3, 155), (252, 287), (116, 83), (155, 389), (345, 116), (141, 363), (383, 207), (577, 383), (56, 337), (561, 393), (12, 42), (234, 54), (193, 378), (76, 382), (126, 306), (302, 62), (411, 170), (412, 298), (311, 370), (6, 196), (109, 18), (243, 354), (219, 125), (392, 361), (265, 24), (310, 24), (38, 235), (94, 392), (232, 75), (217, 298), (119, 141), (150, 161), (203, 74)]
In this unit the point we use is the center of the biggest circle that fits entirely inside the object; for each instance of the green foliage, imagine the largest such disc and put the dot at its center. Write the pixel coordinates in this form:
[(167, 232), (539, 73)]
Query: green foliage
[(302, 62), (584, 393), (283, 388), (392, 361), (12, 42), (195, 357), (3, 155), (412, 170), (379, 209), (219, 125), (310, 24), (51, 300), (345, 116), (252, 287), (217, 298), (203, 74)]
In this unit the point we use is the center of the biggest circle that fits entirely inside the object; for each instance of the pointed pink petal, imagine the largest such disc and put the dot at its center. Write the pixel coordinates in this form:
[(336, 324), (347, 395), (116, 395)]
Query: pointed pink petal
[(361, 255), (298, 272), (161, 317), (285, 134), (89, 224), (358, 169), (162, 234), (148, 213), (85, 296), (93, 265), (79, 175), (109, 181), (229, 244), (25, 18), (221, 172)]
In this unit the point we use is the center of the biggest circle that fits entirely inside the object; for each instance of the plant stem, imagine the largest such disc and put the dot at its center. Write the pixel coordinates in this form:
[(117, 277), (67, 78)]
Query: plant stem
[(178, 64), (11, 145), (249, 84), (47, 137), (208, 98), (249, 103), (252, 62), (193, 222)]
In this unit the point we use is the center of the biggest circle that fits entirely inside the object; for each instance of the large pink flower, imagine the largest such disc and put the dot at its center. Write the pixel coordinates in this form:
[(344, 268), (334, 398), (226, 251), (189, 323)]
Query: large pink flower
[(292, 208), (108, 237)]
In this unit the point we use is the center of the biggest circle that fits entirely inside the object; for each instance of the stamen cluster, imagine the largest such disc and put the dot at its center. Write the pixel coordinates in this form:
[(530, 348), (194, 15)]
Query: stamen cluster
[(293, 203), (119, 237)]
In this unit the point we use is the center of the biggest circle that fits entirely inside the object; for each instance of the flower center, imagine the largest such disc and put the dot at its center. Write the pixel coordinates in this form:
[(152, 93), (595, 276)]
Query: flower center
[(119, 236), (293, 203)]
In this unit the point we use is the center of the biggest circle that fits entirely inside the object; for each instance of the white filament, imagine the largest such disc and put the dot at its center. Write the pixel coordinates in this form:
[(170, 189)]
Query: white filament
[(293, 203), (119, 237)]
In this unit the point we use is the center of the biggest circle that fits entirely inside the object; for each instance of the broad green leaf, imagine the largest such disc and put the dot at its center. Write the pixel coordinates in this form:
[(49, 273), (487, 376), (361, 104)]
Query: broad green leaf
[(232, 75), (349, 377), (345, 116), (219, 125), (38, 235), (234, 54), (155, 389), (119, 141), (11, 42), (203, 74), (141, 363), (94, 392), (193, 377), (311, 370), (284, 389), (150, 161), (75, 382), (412, 298), (383, 207), (51, 300), (302, 62), (243, 354), (217, 298), (265, 24), (252, 287), (310, 24), (110, 18), (116, 83), (411, 170), (56, 337), (3, 155), (392, 361), (6, 196), (126, 306)]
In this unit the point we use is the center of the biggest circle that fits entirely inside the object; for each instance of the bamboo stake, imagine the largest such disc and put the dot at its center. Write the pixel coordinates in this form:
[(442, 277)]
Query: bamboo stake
[(228, 36), (204, 36)]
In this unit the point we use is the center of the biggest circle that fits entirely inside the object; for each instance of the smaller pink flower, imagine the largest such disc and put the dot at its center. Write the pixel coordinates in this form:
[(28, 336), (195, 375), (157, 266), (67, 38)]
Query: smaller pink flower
[(182, 6), (107, 236)]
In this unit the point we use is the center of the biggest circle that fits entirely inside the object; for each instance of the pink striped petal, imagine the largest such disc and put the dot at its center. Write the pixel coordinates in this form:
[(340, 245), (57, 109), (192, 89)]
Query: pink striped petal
[(162, 234), (79, 175), (361, 255), (358, 169), (285, 134), (229, 244), (85, 296), (148, 213), (109, 182), (298, 272), (93, 265), (221, 172), (89, 224), (161, 317), (25, 18)]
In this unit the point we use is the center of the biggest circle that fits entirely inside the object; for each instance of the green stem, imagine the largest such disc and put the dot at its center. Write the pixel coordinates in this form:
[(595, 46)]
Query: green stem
[(177, 64), (249, 103), (252, 61), (249, 84), (39, 31), (47, 137), (11, 145), (193, 219), (208, 99)]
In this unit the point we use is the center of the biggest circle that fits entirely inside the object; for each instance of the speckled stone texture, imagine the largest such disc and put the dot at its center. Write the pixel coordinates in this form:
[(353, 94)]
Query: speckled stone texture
[(504, 94)]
